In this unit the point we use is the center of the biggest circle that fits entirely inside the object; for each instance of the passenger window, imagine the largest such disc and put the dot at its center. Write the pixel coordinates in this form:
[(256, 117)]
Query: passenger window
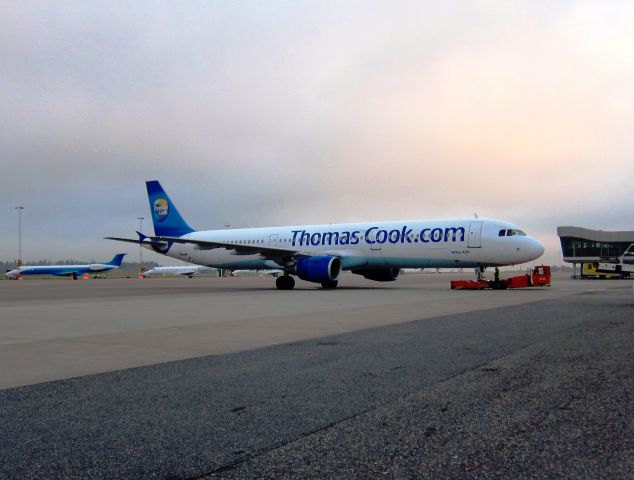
[(502, 233)]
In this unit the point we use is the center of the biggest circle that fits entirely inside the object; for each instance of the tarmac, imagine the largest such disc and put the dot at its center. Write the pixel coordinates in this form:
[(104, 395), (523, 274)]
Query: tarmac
[(230, 378)]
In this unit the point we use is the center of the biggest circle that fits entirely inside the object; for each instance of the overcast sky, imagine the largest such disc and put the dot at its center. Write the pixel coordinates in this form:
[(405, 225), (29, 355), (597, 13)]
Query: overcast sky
[(275, 113)]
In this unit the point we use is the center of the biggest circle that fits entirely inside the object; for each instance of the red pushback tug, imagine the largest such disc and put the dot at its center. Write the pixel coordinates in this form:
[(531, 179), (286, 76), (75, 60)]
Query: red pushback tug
[(536, 277)]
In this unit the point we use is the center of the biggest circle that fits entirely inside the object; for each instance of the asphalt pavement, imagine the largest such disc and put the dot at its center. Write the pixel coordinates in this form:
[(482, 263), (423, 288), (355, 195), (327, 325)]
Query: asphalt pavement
[(538, 390)]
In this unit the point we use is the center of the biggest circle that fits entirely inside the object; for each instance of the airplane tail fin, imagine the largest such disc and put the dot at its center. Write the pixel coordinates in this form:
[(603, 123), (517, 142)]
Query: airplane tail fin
[(117, 260), (165, 217)]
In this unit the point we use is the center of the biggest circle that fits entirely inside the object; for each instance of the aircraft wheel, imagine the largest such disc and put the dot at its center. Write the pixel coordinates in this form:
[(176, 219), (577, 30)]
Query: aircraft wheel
[(285, 283), (329, 285)]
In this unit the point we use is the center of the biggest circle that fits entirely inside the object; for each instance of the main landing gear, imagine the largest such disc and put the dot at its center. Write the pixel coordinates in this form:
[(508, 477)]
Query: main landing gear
[(285, 282)]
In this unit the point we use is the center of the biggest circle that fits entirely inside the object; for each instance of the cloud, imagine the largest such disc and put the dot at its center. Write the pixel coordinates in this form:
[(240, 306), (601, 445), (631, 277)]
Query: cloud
[(278, 113)]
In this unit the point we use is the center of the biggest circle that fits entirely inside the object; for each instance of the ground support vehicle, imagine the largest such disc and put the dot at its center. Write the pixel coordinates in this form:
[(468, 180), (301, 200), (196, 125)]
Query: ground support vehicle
[(536, 277)]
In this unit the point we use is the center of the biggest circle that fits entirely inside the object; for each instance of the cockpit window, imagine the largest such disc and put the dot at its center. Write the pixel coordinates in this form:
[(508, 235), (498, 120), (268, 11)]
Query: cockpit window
[(511, 231), (501, 233)]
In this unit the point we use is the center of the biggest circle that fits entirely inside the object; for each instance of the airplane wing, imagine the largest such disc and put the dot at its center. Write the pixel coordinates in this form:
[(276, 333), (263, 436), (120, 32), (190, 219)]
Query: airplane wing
[(188, 273), (282, 256), (279, 255), (68, 274)]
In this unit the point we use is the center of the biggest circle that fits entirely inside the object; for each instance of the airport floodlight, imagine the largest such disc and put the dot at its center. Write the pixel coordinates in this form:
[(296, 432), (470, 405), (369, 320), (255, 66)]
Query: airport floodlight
[(19, 208), (140, 219)]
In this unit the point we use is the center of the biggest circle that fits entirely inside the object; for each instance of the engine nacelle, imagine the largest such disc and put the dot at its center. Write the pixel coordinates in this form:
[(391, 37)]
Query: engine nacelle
[(318, 269), (379, 274)]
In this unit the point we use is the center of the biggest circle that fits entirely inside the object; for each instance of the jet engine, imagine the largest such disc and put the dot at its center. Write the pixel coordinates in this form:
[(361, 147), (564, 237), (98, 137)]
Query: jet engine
[(379, 274), (318, 269)]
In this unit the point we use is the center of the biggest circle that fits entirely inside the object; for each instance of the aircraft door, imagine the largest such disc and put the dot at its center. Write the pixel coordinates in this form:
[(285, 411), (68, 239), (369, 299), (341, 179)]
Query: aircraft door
[(273, 240), (475, 233)]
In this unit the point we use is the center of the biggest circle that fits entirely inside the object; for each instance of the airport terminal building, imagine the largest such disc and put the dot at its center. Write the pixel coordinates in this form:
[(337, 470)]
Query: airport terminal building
[(580, 245)]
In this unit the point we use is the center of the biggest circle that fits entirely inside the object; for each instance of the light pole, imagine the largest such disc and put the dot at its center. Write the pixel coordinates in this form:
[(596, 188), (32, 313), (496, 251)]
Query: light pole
[(19, 209), (140, 219)]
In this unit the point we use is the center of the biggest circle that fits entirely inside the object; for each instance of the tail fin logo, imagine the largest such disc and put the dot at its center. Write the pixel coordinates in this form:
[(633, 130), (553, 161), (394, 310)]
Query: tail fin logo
[(160, 210)]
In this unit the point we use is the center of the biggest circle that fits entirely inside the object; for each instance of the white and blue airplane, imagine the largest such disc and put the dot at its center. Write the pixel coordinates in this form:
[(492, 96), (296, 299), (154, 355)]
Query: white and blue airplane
[(319, 253), (67, 270)]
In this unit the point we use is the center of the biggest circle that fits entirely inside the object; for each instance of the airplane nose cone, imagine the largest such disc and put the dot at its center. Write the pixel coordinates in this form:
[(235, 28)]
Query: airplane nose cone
[(537, 249)]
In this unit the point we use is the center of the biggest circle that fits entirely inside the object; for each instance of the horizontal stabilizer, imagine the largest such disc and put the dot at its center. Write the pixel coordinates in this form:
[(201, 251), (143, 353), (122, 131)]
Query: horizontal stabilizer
[(142, 240), (130, 240)]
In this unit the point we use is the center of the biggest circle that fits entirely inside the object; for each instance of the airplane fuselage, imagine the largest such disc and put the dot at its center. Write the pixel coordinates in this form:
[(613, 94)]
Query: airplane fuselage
[(406, 244)]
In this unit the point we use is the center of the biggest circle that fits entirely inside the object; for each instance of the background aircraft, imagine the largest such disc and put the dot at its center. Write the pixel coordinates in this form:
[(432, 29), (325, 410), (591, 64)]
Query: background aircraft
[(186, 271), (67, 270), (272, 272), (318, 253)]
